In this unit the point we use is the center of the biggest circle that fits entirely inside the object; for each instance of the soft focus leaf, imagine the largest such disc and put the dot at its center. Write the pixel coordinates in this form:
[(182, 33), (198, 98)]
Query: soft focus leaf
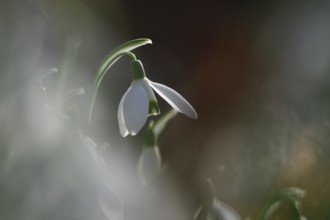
[(111, 205), (216, 210), (291, 194), (37, 80), (149, 164)]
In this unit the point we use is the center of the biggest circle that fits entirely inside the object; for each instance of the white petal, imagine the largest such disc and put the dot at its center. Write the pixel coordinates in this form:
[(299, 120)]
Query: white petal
[(135, 107), (174, 99), (122, 127), (153, 104), (148, 89)]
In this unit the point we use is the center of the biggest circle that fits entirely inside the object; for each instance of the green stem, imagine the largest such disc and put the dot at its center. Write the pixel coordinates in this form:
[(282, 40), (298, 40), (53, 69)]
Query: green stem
[(106, 63), (156, 128), (131, 55)]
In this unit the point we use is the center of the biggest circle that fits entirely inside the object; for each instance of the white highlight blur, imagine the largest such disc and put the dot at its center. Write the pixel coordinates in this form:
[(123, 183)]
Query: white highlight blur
[(49, 170)]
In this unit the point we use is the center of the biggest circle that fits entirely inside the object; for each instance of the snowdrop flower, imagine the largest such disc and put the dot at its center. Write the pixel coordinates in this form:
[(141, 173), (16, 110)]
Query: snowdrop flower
[(139, 101)]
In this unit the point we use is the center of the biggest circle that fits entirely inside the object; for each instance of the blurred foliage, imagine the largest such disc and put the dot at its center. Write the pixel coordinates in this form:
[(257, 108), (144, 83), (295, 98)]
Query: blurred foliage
[(257, 72)]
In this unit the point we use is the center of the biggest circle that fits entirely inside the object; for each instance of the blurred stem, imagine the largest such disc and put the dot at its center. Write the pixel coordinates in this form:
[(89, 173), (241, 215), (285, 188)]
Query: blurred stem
[(156, 128), (70, 54), (106, 63), (211, 192)]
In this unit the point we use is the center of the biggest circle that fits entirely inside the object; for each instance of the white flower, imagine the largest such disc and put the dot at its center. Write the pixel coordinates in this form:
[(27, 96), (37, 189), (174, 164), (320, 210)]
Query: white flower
[(139, 102)]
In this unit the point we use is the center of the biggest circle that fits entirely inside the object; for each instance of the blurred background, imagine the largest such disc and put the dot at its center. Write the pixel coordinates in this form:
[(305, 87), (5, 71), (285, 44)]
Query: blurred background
[(257, 73)]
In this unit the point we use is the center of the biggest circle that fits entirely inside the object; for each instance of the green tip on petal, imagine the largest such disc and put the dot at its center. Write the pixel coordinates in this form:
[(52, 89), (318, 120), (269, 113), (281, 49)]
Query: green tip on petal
[(153, 108)]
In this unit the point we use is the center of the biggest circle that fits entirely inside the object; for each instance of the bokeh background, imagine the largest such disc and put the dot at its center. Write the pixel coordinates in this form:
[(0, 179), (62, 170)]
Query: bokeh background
[(257, 73)]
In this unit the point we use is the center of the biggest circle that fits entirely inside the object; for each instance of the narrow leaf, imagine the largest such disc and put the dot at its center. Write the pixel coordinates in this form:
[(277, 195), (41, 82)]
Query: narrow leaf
[(291, 194)]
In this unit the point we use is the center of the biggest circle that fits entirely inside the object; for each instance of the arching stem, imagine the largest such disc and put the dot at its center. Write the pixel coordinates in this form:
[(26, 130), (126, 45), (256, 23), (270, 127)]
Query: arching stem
[(107, 62)]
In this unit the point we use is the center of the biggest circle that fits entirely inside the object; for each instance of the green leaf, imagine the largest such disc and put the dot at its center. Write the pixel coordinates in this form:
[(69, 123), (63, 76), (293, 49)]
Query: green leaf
[(107, 62), (289, 194), (149, 164)]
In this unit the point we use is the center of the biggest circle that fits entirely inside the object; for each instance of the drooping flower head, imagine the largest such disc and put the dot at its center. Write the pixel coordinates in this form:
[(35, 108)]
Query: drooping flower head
[(139, 101)]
